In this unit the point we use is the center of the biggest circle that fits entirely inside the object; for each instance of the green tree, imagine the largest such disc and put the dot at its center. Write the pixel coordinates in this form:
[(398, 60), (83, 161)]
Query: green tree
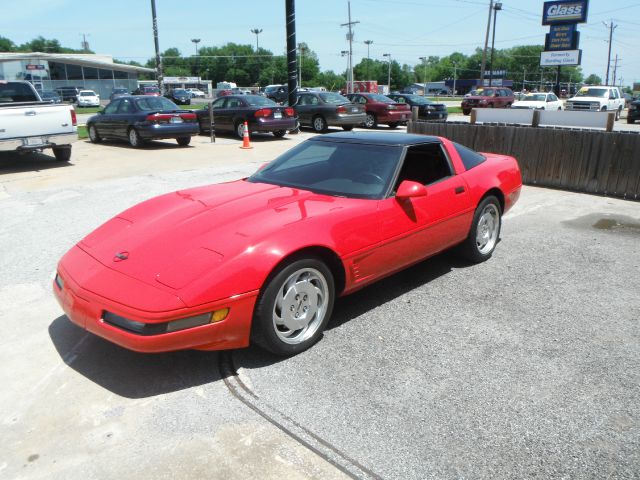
[(593, 79), (7, 45)]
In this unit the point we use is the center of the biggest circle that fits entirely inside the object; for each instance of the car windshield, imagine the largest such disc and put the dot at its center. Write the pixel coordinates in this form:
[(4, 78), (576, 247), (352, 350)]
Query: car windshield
[(334, 98), (180, 91), (258, 101), (119, 90), (87, 94), (535, 97), (485, 93), (593, 92), (155, 104), (380, 98), (334, 168), (418, 99), (271, 89), (151, 89)]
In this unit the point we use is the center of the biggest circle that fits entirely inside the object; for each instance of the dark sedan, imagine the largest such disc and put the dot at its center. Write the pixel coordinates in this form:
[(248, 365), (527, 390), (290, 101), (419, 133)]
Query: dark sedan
[(260, 113), (138, 119), (633, 113), (322, 109), (118, 92), (179, 96), (427, 110), (50, 96)]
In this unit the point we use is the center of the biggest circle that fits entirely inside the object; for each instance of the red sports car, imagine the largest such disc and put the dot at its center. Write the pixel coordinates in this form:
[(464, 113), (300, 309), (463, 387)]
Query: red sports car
[(262, 259)]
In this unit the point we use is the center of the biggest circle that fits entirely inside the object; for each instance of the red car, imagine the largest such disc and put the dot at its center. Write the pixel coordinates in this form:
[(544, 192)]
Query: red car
[(262, 259), (381, 109), (492, 97)]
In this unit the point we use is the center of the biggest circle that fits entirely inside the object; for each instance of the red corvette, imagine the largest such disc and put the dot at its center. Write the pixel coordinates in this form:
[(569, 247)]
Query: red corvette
[(263, 258)]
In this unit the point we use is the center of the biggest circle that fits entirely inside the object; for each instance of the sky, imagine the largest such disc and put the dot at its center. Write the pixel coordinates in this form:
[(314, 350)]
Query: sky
[(406, 29)]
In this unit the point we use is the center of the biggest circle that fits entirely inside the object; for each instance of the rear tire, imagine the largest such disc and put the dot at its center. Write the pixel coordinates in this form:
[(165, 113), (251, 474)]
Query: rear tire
[(347, 128), (466, 111), (618, 112), (630, 120), (134, 138), (279, 133), (183, 141), (393, 125), (294, 307), (62, 154), (485, 231), (371, 121), (239, 129), (319, 124)]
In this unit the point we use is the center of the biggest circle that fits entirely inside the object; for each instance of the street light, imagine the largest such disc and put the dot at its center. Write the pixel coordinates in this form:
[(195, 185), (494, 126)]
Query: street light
[(389, 74), (368, 43), (196, 41), (256, 31), (496, 7), (424, 60)]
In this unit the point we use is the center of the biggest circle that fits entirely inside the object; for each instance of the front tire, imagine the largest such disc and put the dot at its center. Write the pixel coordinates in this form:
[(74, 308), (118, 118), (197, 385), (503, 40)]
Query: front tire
[(294, 307), (484, 232), (618, 112), (393, 125), (347, 128), (62, 154), (135, 140), (239, 129), (466, 111), (279, 133), (183, 141), (93, 134)]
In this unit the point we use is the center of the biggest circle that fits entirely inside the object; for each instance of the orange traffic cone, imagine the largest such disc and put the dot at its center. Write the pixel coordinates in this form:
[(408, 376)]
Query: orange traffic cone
[(245, 137)]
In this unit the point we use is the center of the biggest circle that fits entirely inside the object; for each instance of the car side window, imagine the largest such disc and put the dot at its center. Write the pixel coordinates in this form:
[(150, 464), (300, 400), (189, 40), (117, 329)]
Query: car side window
[(125, 106), (234, 103), (399, 99), (219, 102), (361, 99), (112, 107), (425, 164), (313, 100), (469, 157)]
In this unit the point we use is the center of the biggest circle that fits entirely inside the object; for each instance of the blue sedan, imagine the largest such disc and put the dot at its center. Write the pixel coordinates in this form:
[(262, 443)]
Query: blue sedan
[(139, 118)]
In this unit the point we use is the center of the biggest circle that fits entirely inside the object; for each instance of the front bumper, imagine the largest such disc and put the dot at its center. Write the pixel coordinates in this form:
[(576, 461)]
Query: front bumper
[(39, 142), (75, 290)]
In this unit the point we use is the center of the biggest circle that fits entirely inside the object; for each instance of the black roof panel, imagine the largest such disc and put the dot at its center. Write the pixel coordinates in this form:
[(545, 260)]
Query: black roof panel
[(377, 138)]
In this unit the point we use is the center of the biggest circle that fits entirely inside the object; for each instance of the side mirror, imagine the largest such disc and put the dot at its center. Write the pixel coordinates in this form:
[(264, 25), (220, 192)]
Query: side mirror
[(410, 189)]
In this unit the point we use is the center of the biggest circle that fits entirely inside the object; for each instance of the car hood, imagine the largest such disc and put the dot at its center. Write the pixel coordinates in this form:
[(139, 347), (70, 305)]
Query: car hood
[(529, 104), (175, 238)]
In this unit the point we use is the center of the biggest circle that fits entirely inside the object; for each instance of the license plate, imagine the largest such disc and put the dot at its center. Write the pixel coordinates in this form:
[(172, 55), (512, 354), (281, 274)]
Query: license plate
[(34, 141), (176, 120), (277, 115), (354, 110)]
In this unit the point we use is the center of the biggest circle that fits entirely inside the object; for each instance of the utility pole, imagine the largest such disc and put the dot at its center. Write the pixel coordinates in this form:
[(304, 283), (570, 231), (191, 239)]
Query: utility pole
[(389, 73), (85, 44), (301, 47), (611, 28), (368, 44), (496, 7), (350, 38), (292, 74), (615, 69), (157, 46), (486, 44), (455, 66), (424, 61), (524, 76)]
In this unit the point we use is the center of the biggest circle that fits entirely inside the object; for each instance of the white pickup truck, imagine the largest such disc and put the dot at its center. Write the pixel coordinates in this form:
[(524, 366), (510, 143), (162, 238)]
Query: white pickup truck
[(29, 124), (597, 99)]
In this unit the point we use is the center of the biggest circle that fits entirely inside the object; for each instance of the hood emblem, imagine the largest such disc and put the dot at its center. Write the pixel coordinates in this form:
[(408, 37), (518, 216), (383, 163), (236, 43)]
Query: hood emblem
[(120, 256)]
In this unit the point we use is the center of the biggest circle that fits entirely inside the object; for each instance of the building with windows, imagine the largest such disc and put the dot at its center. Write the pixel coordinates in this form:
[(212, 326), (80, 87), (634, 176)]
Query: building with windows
[(48, 71)]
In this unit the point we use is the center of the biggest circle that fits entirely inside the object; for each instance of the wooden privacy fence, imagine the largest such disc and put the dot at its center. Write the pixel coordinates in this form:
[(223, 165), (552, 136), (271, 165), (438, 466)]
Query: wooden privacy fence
[(591, 161)]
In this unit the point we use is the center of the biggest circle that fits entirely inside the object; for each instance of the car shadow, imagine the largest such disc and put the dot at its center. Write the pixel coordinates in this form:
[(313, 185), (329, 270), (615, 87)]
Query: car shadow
[(13, 162), (254, 137), (150, 145), (131, 374), (141, 375)]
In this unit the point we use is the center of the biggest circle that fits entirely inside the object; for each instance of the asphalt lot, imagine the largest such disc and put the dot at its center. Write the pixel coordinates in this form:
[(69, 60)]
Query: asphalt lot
[(526, 366)]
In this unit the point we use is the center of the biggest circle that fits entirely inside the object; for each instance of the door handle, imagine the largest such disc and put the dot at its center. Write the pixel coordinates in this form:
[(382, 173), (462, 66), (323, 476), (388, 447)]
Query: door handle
[(459, 190), (30, 113)]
